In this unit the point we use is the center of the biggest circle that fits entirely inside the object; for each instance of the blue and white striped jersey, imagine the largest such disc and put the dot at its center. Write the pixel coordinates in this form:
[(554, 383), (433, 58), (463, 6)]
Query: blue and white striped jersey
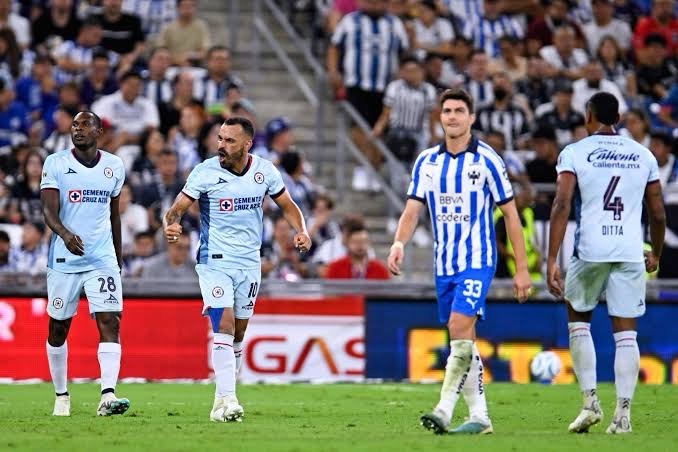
[(612, 173), (370, 49), (485, 33), (231, 210), (460, 192)]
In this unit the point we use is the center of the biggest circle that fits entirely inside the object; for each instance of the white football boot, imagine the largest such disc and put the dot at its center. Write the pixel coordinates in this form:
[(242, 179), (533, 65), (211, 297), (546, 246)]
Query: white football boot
[(62, 406), (588, 417), (111, 405)]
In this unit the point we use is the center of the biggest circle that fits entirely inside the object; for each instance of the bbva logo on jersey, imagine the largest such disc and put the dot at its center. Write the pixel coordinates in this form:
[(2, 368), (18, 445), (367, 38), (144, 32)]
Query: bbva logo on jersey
[(226, 205)]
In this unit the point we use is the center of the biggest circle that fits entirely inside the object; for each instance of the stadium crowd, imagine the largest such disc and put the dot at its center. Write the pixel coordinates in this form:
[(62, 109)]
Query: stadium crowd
[(150, 70)]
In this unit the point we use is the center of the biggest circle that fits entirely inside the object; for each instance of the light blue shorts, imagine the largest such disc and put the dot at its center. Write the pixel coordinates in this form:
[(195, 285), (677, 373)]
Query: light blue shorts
[(103, 289), (622, 282), (229, 288)]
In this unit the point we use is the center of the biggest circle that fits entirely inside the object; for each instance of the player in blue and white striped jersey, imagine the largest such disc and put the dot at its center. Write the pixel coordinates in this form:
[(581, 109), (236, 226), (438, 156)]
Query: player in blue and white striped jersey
[(230, 189), (460, 181)]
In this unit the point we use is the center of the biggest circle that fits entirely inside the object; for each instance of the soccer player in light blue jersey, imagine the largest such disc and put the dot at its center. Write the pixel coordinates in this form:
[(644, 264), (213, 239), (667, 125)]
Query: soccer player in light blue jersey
[(230, 189), (460, 181), (609, 176), (79, 191)]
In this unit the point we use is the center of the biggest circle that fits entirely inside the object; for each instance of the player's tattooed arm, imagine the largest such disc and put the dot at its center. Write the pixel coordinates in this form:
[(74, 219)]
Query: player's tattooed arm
[(170, 221), (50, 209)]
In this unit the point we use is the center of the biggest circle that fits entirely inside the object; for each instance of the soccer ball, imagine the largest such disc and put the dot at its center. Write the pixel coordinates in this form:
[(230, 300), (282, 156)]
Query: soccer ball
[(545, 366)]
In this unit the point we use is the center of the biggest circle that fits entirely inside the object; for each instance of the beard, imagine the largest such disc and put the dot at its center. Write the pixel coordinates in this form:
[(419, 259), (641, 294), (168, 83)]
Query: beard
[(230, 160)]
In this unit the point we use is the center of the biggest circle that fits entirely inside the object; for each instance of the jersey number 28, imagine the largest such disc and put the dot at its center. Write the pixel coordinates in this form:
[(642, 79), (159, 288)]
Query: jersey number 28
[(615, 206)]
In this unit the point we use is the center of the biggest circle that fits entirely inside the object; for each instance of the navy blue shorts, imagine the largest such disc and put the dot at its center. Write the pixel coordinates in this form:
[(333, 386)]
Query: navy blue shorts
[(463, 293)]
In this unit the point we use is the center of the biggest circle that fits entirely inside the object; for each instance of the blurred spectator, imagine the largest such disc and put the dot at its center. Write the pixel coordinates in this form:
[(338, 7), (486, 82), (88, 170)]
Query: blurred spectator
[(19, 25), (657, 73), (158, 194), (559, 113), (14, 120), (536, 86), (25, 204), (130, 114), (433, 73), (154, 14), (279, 258), (543, 168), (335, 248), (122, 33), (100, 80), (142, 250), (299, 186), (208, 138), (661, 145), (187, 38), (541, 30), (357, 264), (69, 96), (637, 126), (143, 171), (668, 112), (661, 21), (245, 108), (409, 106), (321, 224), (509, 59), (504, 114), (429, 33), (5, 199), (592, 83), (211, 89), (182, 90), (477, 79), (56, 24), (4, 252), (133, 219), (563, 59), (60, 138), (615, 66), (174, 264), (490, 26), (11, 57), (279, 140), (629, 11), (157, 87), (604, 24), (514, 165), (333, 10), (37, 91), (74, 57), (184, 139), (31, 255)]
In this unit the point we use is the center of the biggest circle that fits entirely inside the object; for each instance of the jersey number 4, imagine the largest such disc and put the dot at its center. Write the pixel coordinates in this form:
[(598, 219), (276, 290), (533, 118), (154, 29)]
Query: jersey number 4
[(614, 205)]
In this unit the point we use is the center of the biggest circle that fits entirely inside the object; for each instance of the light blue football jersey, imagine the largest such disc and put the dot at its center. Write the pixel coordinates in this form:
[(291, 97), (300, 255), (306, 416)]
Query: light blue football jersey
[(612, 173), (231, 212), (85, 194)]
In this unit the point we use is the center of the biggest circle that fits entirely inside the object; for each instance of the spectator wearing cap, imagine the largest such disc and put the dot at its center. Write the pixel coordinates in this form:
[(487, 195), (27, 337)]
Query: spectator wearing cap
[(559, 113), (14, 118), (357, 264), (60, 138), (56, 24), (563, 58), (662, 21), (430, 33), (156, 86), (604, 24), (5, 246), (187, 38), (541, 30), (38, 93), (656, 73), (661, 145), (18, 24), (213, 87), (100, 80), (279, 140), (592, 83), (542, 169), (122, 33), (130, 114), (492, 25), (25, 203), (31, 255)]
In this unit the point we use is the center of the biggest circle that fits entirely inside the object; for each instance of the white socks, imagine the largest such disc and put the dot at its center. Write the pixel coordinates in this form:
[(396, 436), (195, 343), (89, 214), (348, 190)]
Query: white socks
[(583, 359), (58, 360), (223, 362), (238, 351), (456, 370), (626, 367), (109, 362), (474, 390)]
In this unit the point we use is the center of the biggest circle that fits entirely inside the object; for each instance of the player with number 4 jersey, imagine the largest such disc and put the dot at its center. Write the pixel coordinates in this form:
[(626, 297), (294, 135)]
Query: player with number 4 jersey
[(608, 176), (79, 191), (230, 189)]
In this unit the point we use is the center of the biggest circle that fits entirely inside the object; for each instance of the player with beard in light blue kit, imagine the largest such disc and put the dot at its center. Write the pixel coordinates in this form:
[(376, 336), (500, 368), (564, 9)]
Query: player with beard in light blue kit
[(609, 176), (230, 189)]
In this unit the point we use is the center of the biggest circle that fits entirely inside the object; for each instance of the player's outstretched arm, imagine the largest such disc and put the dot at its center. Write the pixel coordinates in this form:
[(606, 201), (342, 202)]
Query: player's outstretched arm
[(655, 206), (560, 212), (292, 213), (521, 281), (50, 209), (170, 221), (116, 228), (406, 226)]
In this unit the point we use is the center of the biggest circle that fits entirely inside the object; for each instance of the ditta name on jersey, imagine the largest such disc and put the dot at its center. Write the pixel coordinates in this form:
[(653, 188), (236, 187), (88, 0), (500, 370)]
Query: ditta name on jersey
[(89, 196)]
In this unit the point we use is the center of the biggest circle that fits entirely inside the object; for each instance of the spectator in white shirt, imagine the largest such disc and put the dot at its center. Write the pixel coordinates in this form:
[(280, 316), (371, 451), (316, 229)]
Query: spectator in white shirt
[(19, 25), (604, 24), (31, 255), (592, 83), (133, 219), (563, 58), (430, 33)]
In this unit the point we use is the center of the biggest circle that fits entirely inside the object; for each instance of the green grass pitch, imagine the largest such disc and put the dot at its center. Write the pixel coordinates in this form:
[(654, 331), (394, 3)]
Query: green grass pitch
[(379, 417)]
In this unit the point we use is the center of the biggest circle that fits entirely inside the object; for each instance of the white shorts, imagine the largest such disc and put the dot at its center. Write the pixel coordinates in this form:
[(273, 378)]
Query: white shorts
[(622, 282), (229, 288), (103, 289)]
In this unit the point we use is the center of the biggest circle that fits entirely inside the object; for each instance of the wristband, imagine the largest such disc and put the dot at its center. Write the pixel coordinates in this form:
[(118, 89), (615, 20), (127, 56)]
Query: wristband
[(398, 244)]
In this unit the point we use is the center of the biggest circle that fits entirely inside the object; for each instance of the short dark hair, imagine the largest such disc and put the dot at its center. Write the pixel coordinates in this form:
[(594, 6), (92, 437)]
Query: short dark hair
[(128, 75), (655, 38), (4, 236), (604, 107), (323, 197), (352, 221), (457, 94), (355, 228), (100, 53), (216, 48), (409, 58), (156, 50), (664, 137), (290, 161), (96, 117), (245, 123)]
